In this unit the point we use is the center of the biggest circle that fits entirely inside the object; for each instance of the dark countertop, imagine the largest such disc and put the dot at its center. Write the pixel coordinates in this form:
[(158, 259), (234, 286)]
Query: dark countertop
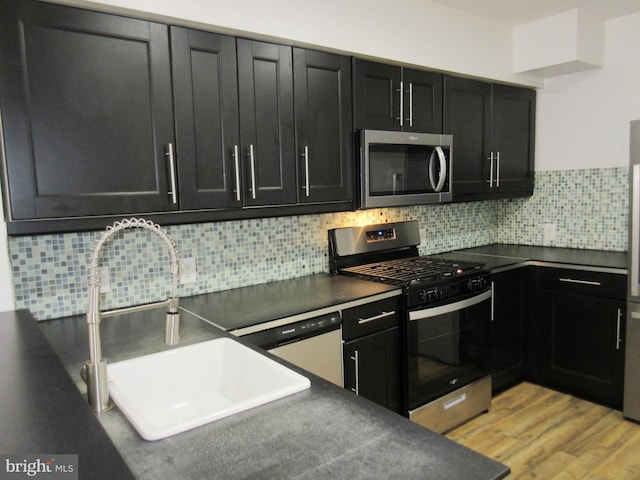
[(322, 432), (41, 410), (498, 256), (248, 306)]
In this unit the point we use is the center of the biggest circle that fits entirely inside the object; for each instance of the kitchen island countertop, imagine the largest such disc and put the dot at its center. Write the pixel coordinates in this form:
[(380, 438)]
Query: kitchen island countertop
[(323, 432)]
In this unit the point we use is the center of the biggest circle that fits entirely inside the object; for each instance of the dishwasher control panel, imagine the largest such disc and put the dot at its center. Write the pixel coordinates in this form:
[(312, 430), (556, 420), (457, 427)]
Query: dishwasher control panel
[(295, 331)]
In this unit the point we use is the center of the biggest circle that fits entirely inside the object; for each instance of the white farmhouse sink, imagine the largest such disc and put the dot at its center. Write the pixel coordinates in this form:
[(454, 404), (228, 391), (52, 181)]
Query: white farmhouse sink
[(172, 391)]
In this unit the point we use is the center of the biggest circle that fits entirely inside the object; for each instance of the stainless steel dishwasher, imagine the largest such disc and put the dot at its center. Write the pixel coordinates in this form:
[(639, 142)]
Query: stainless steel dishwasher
[(314, 344)]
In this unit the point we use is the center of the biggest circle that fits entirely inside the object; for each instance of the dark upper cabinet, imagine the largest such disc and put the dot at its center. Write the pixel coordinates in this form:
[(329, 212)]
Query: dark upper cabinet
[(206, 119), (388, 97), (265, 85), (509, 306), (323, 126), (493, 128), (86, 112)]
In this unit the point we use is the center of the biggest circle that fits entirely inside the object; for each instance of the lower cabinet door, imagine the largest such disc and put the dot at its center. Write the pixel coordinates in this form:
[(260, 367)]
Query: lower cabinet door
[(585, 352), (372, 367)]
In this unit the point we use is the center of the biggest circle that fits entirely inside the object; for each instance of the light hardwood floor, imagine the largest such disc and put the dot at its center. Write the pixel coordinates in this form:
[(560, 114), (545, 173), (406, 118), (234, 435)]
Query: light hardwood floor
[(544, 434)]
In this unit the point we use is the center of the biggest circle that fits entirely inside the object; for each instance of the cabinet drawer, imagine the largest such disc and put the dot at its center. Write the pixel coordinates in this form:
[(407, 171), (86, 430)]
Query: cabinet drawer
[(369, 318), (583, 282)]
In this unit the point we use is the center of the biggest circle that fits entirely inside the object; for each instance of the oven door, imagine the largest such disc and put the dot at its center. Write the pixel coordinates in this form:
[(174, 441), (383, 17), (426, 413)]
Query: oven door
[(447, 347)]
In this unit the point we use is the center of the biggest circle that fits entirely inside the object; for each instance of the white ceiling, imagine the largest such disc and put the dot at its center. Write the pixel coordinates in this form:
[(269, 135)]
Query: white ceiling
[(516, 12)]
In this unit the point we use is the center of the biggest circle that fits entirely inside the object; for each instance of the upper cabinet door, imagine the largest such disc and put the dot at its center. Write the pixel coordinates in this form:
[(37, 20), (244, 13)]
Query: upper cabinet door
[(422, 101), (324, 132), (513, 120), (387, 97), (87, 112), (265, 79), (377, 96), (467, 116), (206, 118)]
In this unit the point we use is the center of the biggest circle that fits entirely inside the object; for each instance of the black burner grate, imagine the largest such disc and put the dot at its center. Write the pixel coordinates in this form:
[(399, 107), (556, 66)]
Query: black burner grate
[(414, 270)]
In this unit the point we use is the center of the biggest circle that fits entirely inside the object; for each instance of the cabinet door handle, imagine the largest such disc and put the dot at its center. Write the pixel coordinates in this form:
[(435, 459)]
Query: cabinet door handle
[(490, 170), (581, 282), (253, 171), (411, 104), (497, 169), (356, 363), (306, 170), (618, 322), (236, 160), (362, 321), (172, 174), (401, 99)]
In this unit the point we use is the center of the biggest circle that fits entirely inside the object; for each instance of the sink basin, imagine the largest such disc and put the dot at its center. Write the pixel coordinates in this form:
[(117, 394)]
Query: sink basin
[(176, 390)]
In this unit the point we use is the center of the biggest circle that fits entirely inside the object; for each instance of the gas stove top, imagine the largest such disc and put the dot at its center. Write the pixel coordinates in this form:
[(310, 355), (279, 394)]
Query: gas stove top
[(414, 271)]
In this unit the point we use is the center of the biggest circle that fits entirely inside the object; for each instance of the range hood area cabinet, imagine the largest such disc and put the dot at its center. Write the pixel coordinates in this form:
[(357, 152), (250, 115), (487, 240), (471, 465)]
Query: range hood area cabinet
[(389, 97), (88, 122), (493, 128)]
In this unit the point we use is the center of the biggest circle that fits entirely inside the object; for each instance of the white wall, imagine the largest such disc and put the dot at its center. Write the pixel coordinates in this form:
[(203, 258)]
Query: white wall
[(419, 32), (583, 118)]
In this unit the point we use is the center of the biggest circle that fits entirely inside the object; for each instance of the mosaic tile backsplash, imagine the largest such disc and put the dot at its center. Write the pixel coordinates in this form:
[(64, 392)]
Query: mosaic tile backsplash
[(589, 208)]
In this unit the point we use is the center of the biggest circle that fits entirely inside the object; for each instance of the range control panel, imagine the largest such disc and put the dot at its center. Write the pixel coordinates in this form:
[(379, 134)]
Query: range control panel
[(381, 234)]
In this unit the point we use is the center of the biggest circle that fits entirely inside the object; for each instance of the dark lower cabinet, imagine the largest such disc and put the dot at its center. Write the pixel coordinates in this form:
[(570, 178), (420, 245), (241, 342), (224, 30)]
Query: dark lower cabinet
[(371, 352), (371, 367), (510, 297), (578, 334), (86, 112)]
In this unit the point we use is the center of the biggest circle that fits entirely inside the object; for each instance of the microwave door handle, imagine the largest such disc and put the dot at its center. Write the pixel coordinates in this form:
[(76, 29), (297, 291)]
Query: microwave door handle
[(443, 169)]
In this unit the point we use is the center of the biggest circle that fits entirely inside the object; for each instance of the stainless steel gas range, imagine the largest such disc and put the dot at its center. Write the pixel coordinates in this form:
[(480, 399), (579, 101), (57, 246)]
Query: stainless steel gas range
[(446, 319)]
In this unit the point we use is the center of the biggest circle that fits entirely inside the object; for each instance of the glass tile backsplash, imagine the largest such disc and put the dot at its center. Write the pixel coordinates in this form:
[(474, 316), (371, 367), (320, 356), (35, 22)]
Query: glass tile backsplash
[(588, 207)]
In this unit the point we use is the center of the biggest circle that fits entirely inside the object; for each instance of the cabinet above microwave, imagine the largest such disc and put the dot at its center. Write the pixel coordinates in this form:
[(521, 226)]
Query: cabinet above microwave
[(404, 168)]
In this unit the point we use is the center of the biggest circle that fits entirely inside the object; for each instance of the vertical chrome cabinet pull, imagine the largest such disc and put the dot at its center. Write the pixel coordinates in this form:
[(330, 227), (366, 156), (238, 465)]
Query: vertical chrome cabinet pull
[(490, 170), (618, 322), (411, 104), (497, 169), (634, 228), (253, 172), (401, 98), (236, 160), (356, 362), (172, 174), (306, 170)]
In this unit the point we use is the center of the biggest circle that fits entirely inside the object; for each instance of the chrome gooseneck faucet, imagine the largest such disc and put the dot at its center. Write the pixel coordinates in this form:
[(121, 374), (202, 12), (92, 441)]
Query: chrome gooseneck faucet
[(94, 371)]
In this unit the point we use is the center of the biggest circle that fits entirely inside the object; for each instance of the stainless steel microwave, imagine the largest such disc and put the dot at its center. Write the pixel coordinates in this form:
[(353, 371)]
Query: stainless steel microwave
[(404, 168)]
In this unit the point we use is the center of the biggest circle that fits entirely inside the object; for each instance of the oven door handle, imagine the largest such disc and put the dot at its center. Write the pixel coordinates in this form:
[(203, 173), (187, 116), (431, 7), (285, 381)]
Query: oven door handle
[(448, 308)]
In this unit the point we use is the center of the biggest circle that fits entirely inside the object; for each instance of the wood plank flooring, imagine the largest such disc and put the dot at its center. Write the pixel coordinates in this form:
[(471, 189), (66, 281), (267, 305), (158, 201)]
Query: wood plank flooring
[(543, 434)]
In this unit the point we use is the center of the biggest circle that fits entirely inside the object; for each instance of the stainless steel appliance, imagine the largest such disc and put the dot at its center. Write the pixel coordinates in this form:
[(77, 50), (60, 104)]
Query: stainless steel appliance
[(445, 319), (631, 401), (314, 344), (402, 168)]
